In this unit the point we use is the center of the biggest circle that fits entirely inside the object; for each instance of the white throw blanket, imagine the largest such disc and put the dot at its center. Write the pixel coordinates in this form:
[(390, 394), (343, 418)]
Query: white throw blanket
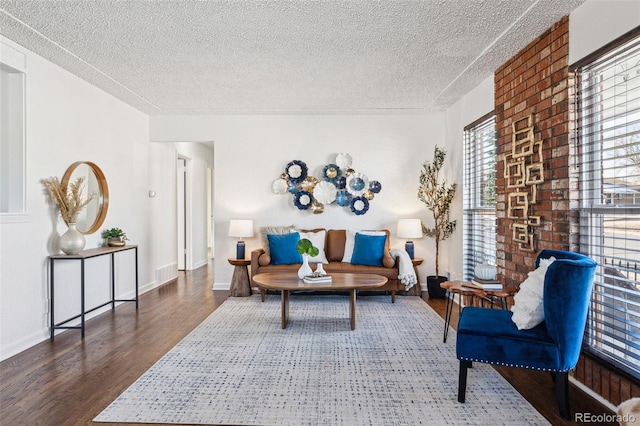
[(406, 274)]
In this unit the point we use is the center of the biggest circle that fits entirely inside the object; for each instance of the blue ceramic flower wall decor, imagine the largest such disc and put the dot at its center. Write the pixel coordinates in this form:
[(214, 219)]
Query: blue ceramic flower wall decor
[(343, 198), (359, 205), (339, 183)]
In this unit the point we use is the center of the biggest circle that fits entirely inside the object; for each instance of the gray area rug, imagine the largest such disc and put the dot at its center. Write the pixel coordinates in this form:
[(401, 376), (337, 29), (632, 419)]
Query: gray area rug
[(239, 367)]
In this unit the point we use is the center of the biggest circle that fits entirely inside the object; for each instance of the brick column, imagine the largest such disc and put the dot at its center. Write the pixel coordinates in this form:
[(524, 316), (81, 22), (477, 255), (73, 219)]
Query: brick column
[(537, 82)]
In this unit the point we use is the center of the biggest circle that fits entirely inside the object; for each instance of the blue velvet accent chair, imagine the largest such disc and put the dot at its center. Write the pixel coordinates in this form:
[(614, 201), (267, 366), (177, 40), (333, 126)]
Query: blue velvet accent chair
[(489, 335)]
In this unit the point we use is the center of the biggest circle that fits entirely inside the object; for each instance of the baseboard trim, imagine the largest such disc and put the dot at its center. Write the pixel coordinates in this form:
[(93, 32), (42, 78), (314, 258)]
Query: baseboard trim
[(203, 262), (24, 344), (221, 286)]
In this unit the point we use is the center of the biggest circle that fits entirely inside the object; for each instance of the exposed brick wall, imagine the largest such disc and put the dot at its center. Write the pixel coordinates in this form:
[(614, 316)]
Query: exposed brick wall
[(611, 386), (537, 81)]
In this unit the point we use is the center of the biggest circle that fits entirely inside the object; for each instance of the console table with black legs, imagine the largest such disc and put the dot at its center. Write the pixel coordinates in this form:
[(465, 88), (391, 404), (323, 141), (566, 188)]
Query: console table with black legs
[(82, 256)]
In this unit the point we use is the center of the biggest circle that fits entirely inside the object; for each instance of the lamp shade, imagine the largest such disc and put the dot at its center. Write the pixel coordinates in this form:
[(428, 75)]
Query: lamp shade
[(409, 228), (241, 228)]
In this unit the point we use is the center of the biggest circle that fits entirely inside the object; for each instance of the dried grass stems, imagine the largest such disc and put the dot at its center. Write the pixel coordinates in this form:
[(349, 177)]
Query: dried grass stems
[(68, 198)]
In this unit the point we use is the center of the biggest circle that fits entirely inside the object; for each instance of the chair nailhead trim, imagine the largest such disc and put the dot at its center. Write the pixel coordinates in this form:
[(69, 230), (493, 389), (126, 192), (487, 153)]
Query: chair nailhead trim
[(514, 365)]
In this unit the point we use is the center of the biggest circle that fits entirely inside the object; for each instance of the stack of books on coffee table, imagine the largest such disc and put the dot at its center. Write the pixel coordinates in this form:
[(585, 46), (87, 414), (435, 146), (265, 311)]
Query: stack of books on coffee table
[(484, 284), (317, 279)]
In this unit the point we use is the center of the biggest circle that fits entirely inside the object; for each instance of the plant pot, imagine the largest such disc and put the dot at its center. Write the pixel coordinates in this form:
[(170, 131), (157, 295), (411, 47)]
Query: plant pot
[(433, 287), (116, 242)]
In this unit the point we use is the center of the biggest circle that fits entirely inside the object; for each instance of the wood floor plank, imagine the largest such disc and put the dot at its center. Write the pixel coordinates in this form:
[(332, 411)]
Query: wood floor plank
[(69, 381)]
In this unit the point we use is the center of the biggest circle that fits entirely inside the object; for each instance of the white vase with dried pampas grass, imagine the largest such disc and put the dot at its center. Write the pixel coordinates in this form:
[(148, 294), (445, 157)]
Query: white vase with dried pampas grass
[(70, 202)]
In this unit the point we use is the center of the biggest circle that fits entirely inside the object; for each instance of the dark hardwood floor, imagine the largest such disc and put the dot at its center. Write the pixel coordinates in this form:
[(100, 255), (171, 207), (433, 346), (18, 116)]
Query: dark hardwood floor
[(69, 381)]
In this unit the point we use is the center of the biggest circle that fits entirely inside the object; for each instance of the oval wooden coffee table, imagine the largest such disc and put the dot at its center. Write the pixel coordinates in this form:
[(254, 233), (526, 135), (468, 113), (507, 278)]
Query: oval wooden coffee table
[(286, 282)]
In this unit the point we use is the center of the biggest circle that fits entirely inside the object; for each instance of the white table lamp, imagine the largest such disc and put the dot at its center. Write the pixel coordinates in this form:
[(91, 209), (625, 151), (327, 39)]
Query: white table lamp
[(409, 228), (240, 228)]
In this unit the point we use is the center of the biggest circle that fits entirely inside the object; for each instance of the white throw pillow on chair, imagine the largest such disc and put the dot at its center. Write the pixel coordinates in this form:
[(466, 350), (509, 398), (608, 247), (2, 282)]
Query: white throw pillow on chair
[(528, 308)]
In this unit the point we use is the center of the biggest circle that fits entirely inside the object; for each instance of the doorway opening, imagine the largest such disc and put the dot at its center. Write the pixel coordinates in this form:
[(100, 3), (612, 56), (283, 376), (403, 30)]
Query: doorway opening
[(182, 211)]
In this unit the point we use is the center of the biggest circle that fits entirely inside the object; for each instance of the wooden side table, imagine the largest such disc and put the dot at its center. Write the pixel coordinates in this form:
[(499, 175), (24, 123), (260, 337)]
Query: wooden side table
[(240, 284), (457, 287), (415, 290)]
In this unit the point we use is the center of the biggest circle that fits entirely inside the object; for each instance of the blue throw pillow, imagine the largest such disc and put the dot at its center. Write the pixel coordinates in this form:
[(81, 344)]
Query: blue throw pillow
[(283, 249), (368, 249)]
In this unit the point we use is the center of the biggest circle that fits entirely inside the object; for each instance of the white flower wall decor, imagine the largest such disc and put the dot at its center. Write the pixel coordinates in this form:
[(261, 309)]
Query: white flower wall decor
[(339, 184)]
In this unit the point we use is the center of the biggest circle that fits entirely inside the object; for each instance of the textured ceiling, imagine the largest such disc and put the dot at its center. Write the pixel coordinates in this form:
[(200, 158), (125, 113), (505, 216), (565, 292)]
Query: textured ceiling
[(276, 56)]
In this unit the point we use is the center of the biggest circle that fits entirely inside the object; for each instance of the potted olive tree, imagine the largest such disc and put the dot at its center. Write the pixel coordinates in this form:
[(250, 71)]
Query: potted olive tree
[(437, 196)]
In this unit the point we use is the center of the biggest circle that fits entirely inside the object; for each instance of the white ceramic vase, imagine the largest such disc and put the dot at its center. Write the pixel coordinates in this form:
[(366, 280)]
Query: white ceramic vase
[(72, 241), (305, 269), (320, 269), (484, 271)]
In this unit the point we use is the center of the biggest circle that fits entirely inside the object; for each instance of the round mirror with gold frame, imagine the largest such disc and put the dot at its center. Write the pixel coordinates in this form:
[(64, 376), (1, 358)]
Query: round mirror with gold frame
[(92, 216)]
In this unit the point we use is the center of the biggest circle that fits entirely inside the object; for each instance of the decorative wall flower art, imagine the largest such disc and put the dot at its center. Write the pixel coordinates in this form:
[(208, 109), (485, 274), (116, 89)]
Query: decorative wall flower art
[(280, 186), (339, 183), (343, 198), (359, 205), (325, 192), (296, 171), (302, 200), (331, 173), (357, 184)]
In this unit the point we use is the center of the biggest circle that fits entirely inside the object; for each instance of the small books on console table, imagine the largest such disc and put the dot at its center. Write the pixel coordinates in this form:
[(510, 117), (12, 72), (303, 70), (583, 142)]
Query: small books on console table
[(313, 279), (484, 284)]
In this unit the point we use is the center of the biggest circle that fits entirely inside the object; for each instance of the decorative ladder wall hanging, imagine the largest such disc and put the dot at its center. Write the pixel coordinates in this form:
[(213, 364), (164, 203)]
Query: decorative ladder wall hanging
[(523, 171)]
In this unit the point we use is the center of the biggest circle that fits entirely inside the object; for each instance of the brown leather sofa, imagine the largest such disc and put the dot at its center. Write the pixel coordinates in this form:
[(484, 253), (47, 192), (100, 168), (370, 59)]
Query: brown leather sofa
[(334, 249)]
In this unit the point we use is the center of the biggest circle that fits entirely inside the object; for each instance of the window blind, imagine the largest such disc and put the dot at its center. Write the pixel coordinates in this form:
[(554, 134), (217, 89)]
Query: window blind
[(608, 138), (479, 196)]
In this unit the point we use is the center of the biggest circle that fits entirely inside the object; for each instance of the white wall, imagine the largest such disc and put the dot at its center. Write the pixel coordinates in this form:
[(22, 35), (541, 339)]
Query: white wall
[(252, 151), (597, 22), (69, 120), (475, 104)]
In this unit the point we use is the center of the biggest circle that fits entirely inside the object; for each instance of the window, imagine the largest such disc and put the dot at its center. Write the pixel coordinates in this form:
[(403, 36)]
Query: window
[(12, 135), (479, 198), (608, 140)]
